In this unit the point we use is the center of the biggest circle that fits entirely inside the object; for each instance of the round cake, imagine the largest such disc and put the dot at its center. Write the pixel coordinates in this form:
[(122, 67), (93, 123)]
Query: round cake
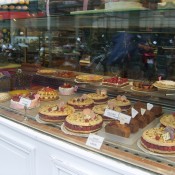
[(89, 78), (55, 113), (98, 98), (80, 103), (168, 120), (83, 122), (165, 84), (4, 96), (156, 140), (15, 101), (66, 89), (100, 109), (48, 94), (122, 102)]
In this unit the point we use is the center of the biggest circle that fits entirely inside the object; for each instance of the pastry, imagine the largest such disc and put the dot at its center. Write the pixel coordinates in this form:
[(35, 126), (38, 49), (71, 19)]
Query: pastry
[(46, 71), (15, 101), (19, 92), (67, 89), (66, 74), (143, 86), (100, 109), (122, 102), (114, 127), (83, 122), (165, 84), (55, 112), (48, 94), (89, 78), (4, 96), (98, 98), (159, 140), (80, 103), (168, 120), (115, 81)]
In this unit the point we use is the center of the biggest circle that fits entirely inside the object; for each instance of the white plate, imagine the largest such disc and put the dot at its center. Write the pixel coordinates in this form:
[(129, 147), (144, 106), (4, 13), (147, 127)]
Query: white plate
[(72, 133), (152, 153)]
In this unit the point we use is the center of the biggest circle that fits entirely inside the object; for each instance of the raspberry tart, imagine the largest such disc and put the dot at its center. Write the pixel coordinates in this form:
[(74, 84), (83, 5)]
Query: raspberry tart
[(83, 122), (48, 94), (80, 103), (159, 140), (115, 81), (55, 113), (15, 101)]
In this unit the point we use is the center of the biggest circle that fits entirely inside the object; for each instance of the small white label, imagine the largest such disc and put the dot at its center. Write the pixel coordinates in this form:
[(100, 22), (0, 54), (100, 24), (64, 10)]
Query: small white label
[(143, 111), (25, 102), (124, 118), (166, 136), (149, 106), (94, 141), (111, 113), (134, 112)]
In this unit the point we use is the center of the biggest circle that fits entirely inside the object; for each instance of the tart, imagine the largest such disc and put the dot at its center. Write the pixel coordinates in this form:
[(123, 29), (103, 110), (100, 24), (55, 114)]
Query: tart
[(143, 86), (4, 96), (168, 120), (156, 140), (34, 98), (46, 71), (100, 109), (48, 94), (66, 74), (115, 81), (98, 98), (19, 92), (80, 103), (67, 89), (55, 113), (83, 122), (165, 84), (89, 78), (122, 102)]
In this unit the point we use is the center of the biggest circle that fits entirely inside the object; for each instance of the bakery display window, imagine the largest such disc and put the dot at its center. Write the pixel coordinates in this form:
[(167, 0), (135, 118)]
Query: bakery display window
[(103, 67)]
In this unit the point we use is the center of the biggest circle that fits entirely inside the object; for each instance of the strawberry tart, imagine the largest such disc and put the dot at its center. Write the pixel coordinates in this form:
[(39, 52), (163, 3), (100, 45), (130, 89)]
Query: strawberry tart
[(55, 113), (159, 140), (83, 122)]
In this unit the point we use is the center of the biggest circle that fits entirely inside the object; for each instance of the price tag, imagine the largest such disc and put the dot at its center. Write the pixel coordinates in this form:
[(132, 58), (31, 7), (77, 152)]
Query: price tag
[(94, 141), (25, 102), (149, 106), (143, 111), (124, 118), (166, 136), (111, 113), (133, 112)]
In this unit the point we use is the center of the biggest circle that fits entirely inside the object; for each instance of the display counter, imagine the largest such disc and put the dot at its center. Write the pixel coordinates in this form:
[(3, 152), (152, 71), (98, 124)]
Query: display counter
[(54, 150)]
